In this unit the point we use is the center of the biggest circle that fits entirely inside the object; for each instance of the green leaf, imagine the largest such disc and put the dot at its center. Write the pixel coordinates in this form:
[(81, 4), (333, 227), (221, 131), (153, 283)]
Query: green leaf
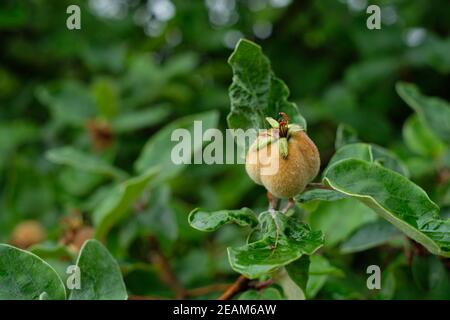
[(283, 240), (319, 194), (420, 139), (141, 119), (100, 275), (25, 276), (433, 111), (394, 198), (158, 149), (345, 135), (69, 102), (319, 271), (431, 276), (298, 271), (158, 218), (48, 250), (370, 153), (255, 92), (339, 219), (83, 161), (265, 294), (369, 236), (106, 97), (211, 221), (291, 290), (115, 206)]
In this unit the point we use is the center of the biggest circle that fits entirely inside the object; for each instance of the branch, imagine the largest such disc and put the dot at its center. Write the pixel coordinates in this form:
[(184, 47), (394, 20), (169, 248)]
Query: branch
[(239, 285), (207, 289), (164, 268)]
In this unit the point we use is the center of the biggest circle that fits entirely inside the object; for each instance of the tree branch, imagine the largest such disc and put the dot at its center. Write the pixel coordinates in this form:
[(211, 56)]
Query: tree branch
[(162, 264), (239, 285), (207, 289)]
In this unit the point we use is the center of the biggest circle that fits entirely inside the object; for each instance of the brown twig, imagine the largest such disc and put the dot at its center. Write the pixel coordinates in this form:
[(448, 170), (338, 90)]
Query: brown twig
[(261, 285), (289, 205), (137, 297), (207, 289), (273, 202), (162, 264), (239, 285)]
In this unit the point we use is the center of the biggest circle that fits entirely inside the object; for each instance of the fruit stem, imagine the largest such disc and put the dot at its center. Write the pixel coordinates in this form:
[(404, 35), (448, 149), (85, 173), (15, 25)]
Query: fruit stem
[(289, 205), (273, 202)]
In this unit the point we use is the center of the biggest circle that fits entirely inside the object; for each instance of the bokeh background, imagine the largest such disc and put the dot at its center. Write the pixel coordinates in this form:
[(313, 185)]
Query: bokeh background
[(136, 66)]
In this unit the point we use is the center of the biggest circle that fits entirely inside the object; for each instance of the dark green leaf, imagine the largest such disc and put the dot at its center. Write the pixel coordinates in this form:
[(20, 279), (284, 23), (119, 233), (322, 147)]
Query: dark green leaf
[(85, 162), (298, 271), (211, 221), (117, 204), (255, 92), (369, 236)]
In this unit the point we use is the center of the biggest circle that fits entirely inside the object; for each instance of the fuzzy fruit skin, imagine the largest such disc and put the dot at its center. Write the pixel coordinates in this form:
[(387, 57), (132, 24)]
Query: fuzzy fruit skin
[(294, 172), (252, 163), (27, 233)]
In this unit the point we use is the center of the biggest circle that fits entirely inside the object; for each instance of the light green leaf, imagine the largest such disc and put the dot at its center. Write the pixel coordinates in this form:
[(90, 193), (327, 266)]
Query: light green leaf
[(69, 102), (49, 250), (255, 92), (433, 111), (211, 221), (298, 271), (283, 240), (100, 275), (369, 236), (339, 219), (115, 206), (319, 194), (158, 150), (319, 271), (394, 198), (106, 97), (266, 294), (291, 289), (25, 276), (83, 161), (345, 135), (141, 119), (370, 153), (420, 139)]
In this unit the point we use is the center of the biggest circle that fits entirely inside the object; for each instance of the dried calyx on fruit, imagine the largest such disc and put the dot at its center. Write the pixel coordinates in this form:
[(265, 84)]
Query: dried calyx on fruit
[(283, 159)]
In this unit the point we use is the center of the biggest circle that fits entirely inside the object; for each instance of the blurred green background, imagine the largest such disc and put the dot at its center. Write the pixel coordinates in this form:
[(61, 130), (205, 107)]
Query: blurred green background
[(136, 66)]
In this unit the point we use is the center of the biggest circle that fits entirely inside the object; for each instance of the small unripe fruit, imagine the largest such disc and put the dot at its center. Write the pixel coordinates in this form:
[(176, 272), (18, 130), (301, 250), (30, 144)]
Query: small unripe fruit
[(27, 233), (284, 170)]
